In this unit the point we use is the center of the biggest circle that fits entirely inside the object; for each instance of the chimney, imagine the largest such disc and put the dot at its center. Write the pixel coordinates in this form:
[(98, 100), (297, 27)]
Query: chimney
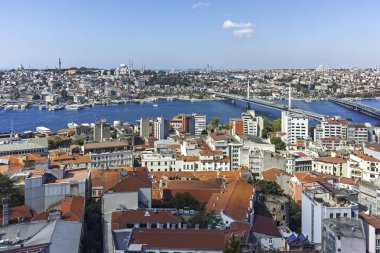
[(5, 212)]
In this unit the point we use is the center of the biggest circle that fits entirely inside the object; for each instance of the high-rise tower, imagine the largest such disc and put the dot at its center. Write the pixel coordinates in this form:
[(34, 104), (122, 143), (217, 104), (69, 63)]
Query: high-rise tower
[(59, 63)]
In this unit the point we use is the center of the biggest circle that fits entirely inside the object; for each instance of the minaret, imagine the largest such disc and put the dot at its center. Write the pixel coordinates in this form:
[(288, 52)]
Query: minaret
[(59, 64), (248, 89), (290, 97)]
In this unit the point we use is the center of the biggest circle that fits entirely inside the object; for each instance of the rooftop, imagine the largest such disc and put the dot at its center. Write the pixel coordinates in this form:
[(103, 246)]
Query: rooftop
[(345, 227)]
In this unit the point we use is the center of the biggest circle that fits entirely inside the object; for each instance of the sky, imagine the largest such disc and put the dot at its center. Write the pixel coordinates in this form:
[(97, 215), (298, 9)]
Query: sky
[(180, 34)]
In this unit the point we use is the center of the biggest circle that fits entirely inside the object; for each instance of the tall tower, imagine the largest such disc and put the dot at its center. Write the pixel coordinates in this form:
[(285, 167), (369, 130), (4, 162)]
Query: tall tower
[(290, 97), (59, 63), (248, 89)]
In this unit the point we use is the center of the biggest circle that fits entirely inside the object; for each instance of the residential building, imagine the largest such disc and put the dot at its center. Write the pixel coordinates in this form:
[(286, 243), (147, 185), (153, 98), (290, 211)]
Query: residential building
[(295, 126), (118, 158), (236, 126), (369, 195), (320, 200), (145, 127), (234, 203), (363, 167), (160, 128), (343, 235), (45, 188), (252, 125), (266, 235), (24, 146), (200, 123), (371, 224), (335, 166), (101, 131)]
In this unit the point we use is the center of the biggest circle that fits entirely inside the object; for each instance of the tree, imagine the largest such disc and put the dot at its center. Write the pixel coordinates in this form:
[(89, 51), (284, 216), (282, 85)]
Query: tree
[(268, 128), (9, 191), (233, 245), (185, 199), (77, 140), (54, 142), (278, 143), (269, 187), (205, 219), (378, 124), (276, 124), (214, 123), (295, 217)]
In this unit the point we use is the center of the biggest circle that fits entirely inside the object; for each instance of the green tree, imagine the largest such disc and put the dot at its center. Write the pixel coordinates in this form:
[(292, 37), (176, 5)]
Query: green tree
[(277, 125), (185, 199), (295, 216), (269, 187), (233, 245), (214, 123), (278, 143), (9, 191), (77, 140), (267, 128), (54, 142), (206, 218)]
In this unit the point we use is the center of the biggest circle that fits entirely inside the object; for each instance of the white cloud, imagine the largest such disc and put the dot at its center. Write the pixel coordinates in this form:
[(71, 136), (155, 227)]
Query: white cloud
[(243, 33), (229, 24), (200, 5)]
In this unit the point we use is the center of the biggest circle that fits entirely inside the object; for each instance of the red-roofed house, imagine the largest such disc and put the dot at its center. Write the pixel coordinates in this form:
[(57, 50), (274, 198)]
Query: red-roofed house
[(234, 203), (266, 234)]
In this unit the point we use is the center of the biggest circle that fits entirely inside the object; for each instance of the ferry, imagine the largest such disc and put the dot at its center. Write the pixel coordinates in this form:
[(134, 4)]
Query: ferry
[(73, 107), (42, 107), (155, 105)]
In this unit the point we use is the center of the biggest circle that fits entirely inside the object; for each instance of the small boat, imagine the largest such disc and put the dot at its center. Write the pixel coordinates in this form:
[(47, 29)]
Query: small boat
[(42, 107), (8, 107), (155, 105), (73, 107)]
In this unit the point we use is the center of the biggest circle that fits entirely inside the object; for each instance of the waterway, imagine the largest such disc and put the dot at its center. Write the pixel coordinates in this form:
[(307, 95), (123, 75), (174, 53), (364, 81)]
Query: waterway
[(32, 117)]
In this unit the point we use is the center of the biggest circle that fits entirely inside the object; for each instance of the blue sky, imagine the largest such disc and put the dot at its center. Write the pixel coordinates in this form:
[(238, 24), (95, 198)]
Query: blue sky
[(169, 34)]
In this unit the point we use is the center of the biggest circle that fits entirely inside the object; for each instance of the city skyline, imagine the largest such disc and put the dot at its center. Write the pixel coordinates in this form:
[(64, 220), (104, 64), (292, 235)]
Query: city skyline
[(190, 34)]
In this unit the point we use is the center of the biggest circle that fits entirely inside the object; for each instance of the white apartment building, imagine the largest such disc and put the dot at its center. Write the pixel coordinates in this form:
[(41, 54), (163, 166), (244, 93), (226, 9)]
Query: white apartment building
[(363, 167), (200, 123), (335, 166), (295, 126), (118, 158), (160, 128), (252, 125), (219, 141), (321, 201)]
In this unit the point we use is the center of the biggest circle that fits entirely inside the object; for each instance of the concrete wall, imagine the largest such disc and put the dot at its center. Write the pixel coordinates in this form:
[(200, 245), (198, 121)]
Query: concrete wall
[(145, 196)]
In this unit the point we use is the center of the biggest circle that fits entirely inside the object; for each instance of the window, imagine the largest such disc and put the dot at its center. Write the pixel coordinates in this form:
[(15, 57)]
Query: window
[(345, 215), (331, 215)]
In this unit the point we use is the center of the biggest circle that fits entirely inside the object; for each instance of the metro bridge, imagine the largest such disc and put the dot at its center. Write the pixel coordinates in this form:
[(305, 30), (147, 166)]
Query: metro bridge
[(370, 111), (269, 104)]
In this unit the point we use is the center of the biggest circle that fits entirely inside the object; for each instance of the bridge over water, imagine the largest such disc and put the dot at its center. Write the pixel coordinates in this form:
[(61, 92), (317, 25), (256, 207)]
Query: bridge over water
[(269, 104), (370, 111)]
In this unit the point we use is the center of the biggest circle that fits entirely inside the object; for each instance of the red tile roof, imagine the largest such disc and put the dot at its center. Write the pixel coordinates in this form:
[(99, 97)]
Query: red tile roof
[(335, 160), (133, 182), (17, 212), (265, 225), (273, 174), (120, 219), (234, 201), (373, 220)]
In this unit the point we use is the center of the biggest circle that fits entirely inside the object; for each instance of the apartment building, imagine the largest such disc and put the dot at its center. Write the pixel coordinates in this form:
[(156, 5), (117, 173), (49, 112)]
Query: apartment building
[(295, 126)]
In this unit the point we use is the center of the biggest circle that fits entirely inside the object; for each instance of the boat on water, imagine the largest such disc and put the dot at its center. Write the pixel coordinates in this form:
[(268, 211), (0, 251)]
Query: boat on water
[(155, 105), (8, 107), (42, 107), (73, 107)]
